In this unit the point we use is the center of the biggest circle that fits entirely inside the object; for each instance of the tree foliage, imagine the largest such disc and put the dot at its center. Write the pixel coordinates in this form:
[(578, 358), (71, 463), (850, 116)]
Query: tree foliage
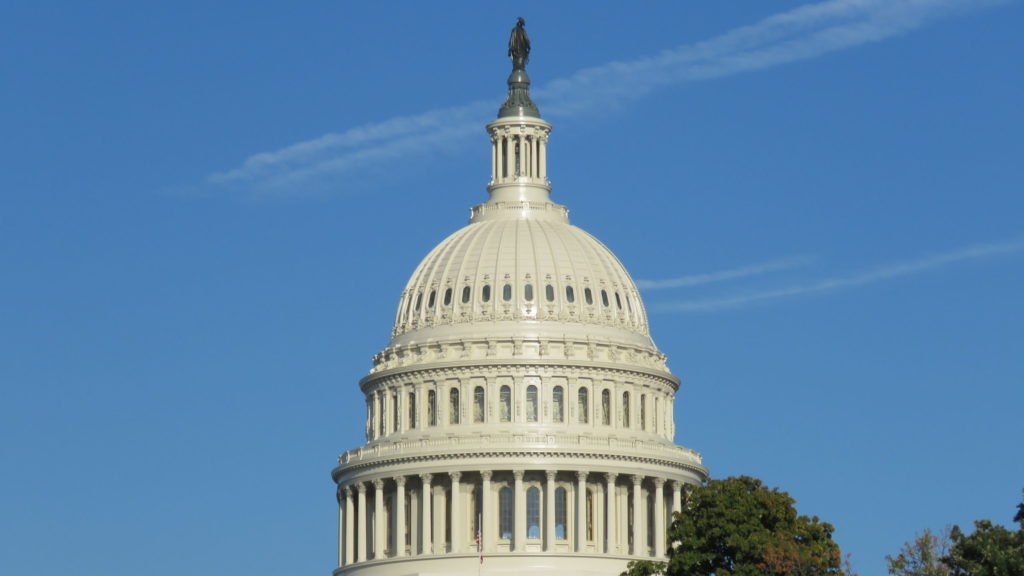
[(922, 557), (991, 550), (739, 527)]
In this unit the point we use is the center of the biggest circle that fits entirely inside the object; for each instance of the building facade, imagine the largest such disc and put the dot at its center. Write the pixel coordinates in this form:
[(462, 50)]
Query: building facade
[(521, 418)]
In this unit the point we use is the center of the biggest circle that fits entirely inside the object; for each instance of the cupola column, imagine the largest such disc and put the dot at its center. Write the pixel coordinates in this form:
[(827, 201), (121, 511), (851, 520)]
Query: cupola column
[(611, 545), (677, 496), (350, 536), (659, 517), (426, 544), (456, 519), (362, 528), (581, 512), (400, 516), (639, 536), (378, 519), (519, 535), (486, 528), (549, 511)]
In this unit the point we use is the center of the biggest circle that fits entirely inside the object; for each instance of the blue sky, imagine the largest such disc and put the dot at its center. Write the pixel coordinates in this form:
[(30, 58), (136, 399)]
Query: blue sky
[(208, 211)]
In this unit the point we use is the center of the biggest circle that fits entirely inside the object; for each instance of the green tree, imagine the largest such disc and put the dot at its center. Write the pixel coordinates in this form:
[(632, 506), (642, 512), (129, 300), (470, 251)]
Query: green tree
[(991, 550), (922, 557), (739, 527)]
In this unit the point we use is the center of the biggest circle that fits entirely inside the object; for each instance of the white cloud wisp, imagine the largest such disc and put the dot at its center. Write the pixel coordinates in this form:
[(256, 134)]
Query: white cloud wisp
[(975, 252), (720, 276), (802, 33)]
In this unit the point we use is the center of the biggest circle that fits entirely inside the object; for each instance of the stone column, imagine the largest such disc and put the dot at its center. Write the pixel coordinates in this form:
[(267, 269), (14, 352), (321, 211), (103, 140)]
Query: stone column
[(543, 157), (456, 519), (611, 546), (486, 525), (400, 516), (350, 539), (549, 512), (342, 512), (362, 528), (639, 532), (659, 518), (426, 544), (379, 521), (519, 522), (677, 496), (581, 512)]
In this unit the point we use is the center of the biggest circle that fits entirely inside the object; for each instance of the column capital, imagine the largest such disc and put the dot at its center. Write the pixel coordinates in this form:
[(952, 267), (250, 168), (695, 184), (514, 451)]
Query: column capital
[(610, 477), (361, 487), (677, 484), (378, 484), (659, 482), (426, 478), (637, 479), (455, 475), (551, 475), (518, 475), (486, 475), (581, 475)]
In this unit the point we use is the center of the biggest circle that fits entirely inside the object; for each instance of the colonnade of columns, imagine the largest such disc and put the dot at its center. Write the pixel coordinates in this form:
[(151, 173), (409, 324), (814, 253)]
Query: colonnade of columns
[(514, 155), (456, 512)]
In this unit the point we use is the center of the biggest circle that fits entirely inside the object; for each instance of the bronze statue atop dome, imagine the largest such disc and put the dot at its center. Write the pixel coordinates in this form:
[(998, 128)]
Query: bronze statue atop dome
[(519, 45)]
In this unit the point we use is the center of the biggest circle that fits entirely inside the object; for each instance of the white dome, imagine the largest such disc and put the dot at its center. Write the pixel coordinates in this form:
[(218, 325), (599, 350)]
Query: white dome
[(536, 274)]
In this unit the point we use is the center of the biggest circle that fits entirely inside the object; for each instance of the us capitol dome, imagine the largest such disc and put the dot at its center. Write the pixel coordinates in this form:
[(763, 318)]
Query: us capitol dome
[(521, 419)]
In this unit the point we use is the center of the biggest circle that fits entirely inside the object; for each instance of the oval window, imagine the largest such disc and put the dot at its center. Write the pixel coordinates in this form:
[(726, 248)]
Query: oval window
[(549, 293), (604, 298), (528, 292), (430, 301), (570, 295), (486, 294), (465, 295), (588, 295), (447, 296), (506, 292), (618, 301)]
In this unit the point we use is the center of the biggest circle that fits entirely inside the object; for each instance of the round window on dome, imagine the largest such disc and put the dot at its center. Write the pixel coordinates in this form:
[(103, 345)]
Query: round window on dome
[(549, 293), (506, 293), (448, 297), (570, 294), (604, 298), (618, 301), (528, 292), (465, 294), (588, 295), (430, 301), (485, 295)]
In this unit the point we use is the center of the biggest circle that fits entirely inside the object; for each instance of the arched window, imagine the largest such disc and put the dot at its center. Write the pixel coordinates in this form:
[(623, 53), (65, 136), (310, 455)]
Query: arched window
[(643, 411), (549, 293), (531, 404), (412, 410), (557, 406), (583, 405), (606, 407), (506, 292), (570, 294), (506, 404), (588, 295), (466, 291), (618, 301), (528, 292), (625, 409), (430, 301), (447, 296), (604, 298), (478, 404), (505, 512), (485, 294), (419, 301), (560, 530), (533, 512), (431, 408), (453, 406)]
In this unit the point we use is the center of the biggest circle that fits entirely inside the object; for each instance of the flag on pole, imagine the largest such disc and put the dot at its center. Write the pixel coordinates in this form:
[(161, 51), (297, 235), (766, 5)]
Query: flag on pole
[(479, 538)]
